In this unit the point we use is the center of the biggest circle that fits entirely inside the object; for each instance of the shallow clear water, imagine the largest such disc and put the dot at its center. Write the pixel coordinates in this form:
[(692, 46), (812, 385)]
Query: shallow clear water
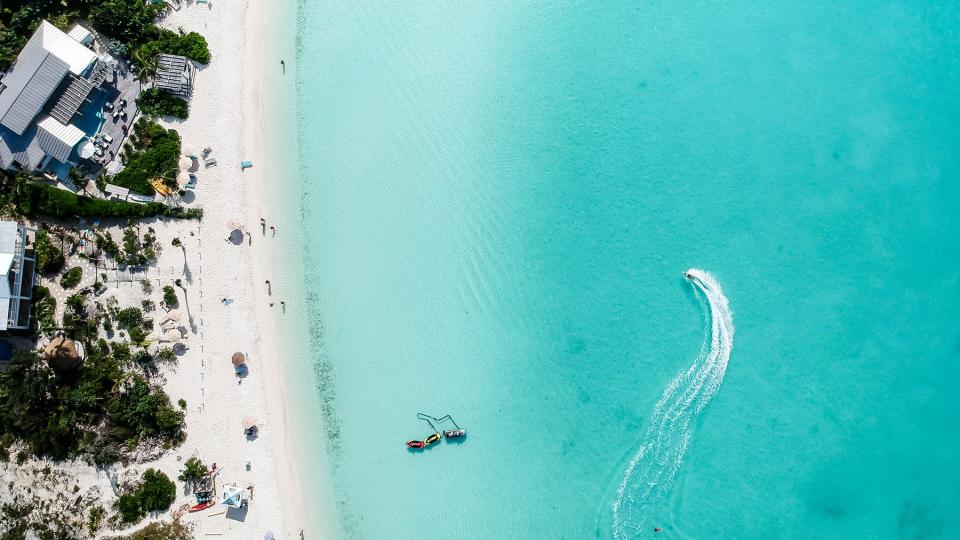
[(499, 201)]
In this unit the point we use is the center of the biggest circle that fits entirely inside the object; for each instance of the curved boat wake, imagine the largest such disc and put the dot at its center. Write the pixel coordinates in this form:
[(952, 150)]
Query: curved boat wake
[(650, 473)]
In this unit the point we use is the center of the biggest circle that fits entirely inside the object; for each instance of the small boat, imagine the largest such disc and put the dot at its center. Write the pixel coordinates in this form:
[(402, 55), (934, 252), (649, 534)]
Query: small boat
[(454, 433), (432, 439), (416, 444), (201, 506)]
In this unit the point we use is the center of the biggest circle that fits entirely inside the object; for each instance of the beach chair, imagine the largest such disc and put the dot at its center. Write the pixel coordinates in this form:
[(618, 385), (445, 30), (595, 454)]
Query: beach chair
[(192, 183), (210, 162), (246, 164)]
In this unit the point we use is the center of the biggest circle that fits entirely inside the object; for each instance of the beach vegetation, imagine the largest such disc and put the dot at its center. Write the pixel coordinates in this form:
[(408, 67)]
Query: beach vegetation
[(71, 278), (148, 305), (169, 296), (193, 471), (154, 494), (160, 103), (25, 198), (181, 402), (166, 355), (137, 251), (95, 518), (128, 21), (49, 257), (151, 153), (128, 317), (100, 409), (44, 309), (189, 44), (174, 530), (79, 325)]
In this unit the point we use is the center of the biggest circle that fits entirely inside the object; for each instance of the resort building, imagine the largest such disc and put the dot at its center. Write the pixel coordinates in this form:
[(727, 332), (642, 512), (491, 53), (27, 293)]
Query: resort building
[(42, 97), (17, 264)]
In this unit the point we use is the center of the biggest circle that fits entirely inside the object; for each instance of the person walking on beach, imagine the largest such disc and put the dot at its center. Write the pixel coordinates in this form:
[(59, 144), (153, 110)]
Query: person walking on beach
[(263, 226), (283, 65), (269, 288), (283, 306), (273, 230)]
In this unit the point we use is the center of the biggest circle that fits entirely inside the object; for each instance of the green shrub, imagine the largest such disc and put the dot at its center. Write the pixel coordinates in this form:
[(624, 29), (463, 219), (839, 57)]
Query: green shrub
[(192, 45), (169, 296), (95, 518), (49, 257), (71, 278), (128, 318), (44, 309), (175, 530), (181, 402), (159, 103), (193, 471), (129, 21), (40, 200), (152, 153)]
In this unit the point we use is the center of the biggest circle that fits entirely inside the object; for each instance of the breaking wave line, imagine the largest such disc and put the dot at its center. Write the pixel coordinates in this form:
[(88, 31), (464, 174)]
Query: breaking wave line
[(650, 473)]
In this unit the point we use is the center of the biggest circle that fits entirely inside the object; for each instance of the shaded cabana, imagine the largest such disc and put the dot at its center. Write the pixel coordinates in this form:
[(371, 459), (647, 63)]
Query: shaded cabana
[(62, 355), (174, 75), (233, 496)]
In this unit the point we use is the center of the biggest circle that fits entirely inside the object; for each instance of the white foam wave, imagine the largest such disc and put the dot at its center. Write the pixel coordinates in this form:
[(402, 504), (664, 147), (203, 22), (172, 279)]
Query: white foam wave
[(651, 471)]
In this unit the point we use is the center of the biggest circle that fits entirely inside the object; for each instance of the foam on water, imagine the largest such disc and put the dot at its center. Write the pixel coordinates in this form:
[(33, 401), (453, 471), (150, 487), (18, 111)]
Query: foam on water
[(650, 473)]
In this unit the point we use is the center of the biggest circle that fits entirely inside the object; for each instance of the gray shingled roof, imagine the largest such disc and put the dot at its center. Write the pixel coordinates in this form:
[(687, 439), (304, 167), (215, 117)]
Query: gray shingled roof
[(174, 74), (24, 149), (57, 139), (47, 57)]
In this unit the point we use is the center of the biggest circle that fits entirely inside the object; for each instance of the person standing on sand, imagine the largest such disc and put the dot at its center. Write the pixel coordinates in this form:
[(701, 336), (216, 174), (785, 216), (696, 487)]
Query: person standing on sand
[(263, 226), (283, 65)]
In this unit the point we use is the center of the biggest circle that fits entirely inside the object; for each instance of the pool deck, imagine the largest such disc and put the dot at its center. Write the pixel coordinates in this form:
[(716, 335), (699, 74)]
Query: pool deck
[(121, 85)]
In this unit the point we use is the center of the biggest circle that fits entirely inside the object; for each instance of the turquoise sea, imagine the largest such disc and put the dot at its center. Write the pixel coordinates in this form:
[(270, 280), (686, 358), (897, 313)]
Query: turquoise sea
[(496, 202)]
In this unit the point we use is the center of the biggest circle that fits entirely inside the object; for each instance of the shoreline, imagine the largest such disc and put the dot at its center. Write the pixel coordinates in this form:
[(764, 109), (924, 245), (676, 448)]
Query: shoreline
[(253, 130)]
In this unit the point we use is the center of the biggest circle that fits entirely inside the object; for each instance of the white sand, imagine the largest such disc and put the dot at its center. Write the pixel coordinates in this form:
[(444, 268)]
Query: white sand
[(225, 114)]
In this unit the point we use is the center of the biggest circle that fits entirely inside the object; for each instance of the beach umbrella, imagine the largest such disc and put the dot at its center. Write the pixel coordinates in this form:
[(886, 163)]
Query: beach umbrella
[(87, 150), (185, 163), (238, 358), (248, 422), (234, 224), (190, 151), (182, 178), (236, 236), (268, 536), (172, 335)]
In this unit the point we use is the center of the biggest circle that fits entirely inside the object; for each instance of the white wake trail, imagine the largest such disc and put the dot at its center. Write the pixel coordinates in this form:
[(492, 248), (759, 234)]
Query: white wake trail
[(649, 474)]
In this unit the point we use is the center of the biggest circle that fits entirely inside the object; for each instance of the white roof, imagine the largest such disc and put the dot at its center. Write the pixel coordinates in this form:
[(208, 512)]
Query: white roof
[(116, 191), (44, 61), (80, 33), (8, 240), (64, 47), (58, 139)]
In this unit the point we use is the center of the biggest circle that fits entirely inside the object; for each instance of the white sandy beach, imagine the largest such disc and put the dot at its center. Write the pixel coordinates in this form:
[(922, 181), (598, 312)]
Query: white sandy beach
[(225, 115)]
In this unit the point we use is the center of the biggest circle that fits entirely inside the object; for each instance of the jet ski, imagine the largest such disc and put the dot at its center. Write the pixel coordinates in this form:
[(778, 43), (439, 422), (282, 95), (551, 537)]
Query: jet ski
[(431, 439), (688, 275), (415, 444), (454, 433)]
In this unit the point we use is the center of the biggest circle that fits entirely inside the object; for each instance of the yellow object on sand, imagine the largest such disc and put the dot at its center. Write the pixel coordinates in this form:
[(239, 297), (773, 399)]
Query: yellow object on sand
[(161, 188)]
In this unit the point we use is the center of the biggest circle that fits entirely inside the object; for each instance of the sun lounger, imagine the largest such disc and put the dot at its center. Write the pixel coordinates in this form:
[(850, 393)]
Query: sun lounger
[(246, 164), (210, 162)]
